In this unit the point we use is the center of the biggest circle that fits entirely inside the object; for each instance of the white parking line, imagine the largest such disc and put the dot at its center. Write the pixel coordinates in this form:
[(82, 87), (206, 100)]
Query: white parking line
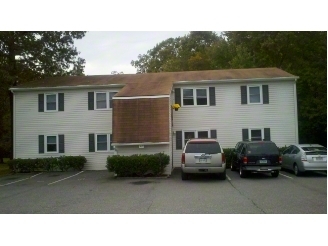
[(286, 176), (65, 178), (228, 178), (21, 180)]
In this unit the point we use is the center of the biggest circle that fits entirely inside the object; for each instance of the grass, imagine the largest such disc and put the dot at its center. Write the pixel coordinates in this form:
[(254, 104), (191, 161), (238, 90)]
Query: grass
[(4, 168)]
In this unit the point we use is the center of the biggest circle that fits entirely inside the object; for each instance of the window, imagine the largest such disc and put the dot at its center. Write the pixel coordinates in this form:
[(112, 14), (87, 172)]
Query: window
[(103, 142), (103, 100), (295, 150), (188, 135), (254, 94), (195, 134), (51, 102), (256, 134), (51, 144), (195, 97)]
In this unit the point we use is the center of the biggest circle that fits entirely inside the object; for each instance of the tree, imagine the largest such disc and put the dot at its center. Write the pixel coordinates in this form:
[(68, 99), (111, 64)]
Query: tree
[(178, 54), (26, 56)]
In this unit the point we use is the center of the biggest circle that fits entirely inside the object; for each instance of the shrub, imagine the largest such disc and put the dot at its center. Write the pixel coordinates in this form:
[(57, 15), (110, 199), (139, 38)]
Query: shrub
[(62, 163), (137, 165), (228, 156)]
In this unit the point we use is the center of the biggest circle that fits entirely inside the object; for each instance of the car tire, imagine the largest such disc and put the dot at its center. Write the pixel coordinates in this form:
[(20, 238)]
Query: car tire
[(233, 168), (242, 173), (222, 176), (296, 170), (275, 174), (184, 176)]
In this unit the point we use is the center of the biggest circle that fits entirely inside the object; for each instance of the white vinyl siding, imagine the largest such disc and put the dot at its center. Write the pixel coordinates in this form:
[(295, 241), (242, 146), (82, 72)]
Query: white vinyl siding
[(76, 123), (229, 117)]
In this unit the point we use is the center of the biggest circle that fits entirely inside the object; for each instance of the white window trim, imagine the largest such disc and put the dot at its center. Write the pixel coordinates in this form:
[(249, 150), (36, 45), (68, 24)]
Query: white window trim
[(248, 94), (108, 143), (107, 100), (46, 144), (250, 133), (195, 96), (196, 134), (45, 102)]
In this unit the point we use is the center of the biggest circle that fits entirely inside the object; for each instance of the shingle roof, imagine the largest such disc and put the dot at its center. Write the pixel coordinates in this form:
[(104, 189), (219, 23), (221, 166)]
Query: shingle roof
[(156, 83)]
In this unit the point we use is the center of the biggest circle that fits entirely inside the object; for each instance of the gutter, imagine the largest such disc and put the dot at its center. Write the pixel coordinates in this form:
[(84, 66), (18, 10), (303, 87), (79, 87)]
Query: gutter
[(236, 80), (73, 87)]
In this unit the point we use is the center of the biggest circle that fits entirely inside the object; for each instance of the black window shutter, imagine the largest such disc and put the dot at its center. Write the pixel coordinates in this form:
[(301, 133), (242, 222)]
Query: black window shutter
[(265, 89), (243, 92), (91, 142), (111, 141), (60, 101), (177, 94), (267, 136), (213, 134), (178, 137), (61, 143), (91, 100), (212, 96), (41, 144), (245, 135), (41, 102)]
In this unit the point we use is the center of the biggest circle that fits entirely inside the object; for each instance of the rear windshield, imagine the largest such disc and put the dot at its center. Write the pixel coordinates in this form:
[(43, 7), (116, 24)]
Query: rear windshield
[(310, 148), (262, 148), (207, 148)]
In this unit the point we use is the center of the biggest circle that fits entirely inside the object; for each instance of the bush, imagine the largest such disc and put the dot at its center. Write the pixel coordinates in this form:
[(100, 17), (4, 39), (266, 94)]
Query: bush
[(62, 163), (137, 165), (228, 156)]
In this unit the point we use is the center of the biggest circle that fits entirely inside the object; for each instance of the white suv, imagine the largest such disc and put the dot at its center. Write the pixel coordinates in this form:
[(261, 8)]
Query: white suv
[(203, 156)]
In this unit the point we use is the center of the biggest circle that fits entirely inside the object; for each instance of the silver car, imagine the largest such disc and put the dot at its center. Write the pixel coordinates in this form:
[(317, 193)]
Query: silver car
[(203, 156), (305, 157)]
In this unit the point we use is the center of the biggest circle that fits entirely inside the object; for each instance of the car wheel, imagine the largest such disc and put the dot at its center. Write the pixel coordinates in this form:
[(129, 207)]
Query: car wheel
[(233, 168), (184, 176), (242, 173), (222, 176), (296, 170), (275, 174)]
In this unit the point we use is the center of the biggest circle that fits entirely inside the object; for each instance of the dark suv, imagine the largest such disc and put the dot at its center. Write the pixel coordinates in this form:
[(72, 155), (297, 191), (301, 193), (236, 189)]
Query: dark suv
[(256, 156)]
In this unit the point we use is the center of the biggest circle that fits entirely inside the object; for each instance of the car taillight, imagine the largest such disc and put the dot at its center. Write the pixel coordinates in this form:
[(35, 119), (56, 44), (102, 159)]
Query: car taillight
[(245, 160), (280, 159), (223, 158), (183, 158), (303, 157)]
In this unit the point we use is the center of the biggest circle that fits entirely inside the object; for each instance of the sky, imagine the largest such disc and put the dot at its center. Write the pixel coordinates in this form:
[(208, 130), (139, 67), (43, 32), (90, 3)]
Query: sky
[(108, 51)]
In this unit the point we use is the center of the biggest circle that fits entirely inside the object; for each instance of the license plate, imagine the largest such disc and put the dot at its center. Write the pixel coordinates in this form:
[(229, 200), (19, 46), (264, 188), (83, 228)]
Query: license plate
[(202, 160), (263, 161), (318, 159)]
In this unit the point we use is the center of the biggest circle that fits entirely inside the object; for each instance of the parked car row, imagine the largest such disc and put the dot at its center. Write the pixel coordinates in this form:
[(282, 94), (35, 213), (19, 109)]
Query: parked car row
[(207, 156)]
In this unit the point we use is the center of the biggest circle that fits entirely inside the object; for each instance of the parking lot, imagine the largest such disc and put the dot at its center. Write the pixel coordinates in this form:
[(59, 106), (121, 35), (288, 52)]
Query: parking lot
[(89, 192)]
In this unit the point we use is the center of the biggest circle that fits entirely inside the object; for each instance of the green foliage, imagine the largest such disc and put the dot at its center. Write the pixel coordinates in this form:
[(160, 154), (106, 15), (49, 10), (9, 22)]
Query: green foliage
[(228, 156), (137, 165), (62, 163)]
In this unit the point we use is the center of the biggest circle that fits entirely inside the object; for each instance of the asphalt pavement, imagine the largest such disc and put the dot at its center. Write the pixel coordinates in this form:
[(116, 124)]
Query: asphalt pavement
[(90, 192)]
